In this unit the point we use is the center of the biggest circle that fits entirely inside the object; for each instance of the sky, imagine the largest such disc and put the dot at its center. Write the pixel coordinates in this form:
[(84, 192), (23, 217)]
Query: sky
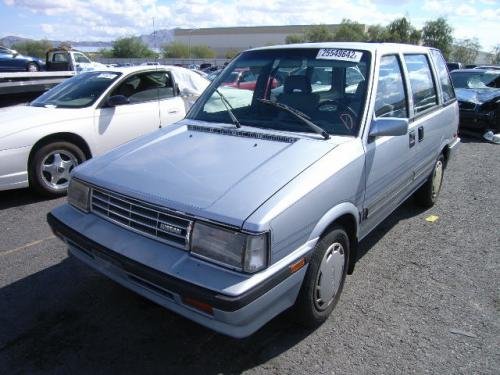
[(92, 20)]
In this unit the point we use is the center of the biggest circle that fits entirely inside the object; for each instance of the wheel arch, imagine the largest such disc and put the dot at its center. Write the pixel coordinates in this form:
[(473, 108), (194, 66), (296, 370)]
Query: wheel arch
[(58, 137), (346, 215)]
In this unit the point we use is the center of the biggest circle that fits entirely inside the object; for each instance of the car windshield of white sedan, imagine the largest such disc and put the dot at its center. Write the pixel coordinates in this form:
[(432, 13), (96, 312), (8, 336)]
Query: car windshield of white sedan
[(325, 86), (77, 92)]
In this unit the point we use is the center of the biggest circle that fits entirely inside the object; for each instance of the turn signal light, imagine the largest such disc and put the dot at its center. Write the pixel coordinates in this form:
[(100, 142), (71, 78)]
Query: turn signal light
[(298, 265), (198, 305)]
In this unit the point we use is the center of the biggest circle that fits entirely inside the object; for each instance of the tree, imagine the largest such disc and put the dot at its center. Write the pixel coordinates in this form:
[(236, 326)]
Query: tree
[(377, 33), (231, 53), (466, 51), (318, 33), (35, 48), (350, 31), (131, 47), (438, 34), (402, 31), (202, 52), (175, 50), (295, 38), (105, 52), (495, 55)]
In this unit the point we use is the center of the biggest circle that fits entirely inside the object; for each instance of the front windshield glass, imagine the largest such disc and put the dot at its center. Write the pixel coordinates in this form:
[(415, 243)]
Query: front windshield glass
[(77, 92), (327, 86), (475, 80)]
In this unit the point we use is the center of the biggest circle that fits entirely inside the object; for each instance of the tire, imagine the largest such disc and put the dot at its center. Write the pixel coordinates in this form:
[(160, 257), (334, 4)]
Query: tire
[(51, 165), (427, 194), (32, 67), (328, 265)]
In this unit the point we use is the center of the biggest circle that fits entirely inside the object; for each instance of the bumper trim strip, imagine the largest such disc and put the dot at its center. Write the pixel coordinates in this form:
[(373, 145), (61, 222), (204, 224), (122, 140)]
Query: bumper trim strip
[(162, 280)]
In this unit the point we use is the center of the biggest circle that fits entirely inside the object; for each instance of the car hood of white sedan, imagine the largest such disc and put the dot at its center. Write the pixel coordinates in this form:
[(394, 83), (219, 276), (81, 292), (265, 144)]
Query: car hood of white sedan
[(20, 118), (219, 173)]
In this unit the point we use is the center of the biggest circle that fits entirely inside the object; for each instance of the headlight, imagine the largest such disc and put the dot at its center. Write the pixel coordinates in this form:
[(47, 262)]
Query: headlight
[(244, 252), (78, 195)]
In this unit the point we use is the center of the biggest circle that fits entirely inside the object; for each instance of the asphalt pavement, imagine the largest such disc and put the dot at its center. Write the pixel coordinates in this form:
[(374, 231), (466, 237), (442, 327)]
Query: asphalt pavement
[(424, 298)]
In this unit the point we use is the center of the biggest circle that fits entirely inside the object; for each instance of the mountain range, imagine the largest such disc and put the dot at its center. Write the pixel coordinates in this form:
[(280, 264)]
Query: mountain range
[(153, 40)]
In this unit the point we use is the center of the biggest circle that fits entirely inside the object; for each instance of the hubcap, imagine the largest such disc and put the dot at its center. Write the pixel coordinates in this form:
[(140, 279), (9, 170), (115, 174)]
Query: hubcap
[(329, 276), (56, 168), (437, 179), (32, 68)]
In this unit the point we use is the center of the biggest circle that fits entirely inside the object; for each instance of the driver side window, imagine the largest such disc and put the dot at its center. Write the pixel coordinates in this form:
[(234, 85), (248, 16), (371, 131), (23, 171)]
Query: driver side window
[(391, 100), (145, 87)]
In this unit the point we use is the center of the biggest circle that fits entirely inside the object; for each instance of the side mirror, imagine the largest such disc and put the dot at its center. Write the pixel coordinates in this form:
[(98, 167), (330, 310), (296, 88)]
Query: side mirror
[(115, 100), (388, 127), (14, 52)]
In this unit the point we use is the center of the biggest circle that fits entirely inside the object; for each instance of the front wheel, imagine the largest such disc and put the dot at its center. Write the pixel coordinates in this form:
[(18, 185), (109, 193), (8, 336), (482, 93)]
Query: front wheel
[(427, 194), (32, 67), (51, 166), (324, 279)]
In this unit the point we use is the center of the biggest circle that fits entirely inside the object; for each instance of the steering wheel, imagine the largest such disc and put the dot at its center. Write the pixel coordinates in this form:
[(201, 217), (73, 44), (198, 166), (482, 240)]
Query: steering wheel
[(347, 115)]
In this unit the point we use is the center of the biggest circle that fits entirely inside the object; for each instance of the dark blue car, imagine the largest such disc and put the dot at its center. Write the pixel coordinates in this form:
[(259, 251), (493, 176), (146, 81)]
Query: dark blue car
[(12, 61)]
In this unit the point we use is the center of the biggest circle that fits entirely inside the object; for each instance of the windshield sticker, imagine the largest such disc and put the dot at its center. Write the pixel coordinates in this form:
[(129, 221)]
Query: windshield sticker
[(106, 75), (339, 54)]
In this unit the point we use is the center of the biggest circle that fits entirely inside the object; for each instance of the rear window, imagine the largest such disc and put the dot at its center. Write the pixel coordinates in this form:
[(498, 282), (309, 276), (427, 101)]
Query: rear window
[(443, 76), (422, 85)]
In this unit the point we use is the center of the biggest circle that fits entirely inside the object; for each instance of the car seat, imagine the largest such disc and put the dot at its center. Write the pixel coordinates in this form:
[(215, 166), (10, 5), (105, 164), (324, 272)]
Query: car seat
[(297, 93)]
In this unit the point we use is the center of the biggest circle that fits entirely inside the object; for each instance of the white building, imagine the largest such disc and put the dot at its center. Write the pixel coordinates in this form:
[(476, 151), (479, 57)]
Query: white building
[(222, 39)]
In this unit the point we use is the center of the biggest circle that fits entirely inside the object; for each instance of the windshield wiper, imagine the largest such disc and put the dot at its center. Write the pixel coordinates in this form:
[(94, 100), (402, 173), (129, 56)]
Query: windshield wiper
[(229, 108), (301, 116)]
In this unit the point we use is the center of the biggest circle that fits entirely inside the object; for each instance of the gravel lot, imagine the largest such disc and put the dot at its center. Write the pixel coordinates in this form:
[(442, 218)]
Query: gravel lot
[(424, 298)]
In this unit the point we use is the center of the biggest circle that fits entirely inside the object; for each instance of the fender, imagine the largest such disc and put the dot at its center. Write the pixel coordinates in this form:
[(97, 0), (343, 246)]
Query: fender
[(331, 215)]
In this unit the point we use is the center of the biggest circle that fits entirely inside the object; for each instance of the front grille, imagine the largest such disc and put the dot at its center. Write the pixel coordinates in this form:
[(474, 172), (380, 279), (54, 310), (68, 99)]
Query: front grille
[(141, 217)]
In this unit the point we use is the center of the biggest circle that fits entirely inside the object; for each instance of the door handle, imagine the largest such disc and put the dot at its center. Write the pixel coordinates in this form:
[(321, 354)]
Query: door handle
[(420, 133), (411, 138), (172, 112)]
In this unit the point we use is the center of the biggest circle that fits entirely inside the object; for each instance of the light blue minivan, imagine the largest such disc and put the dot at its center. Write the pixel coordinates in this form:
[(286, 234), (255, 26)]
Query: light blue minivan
[(257, 200)]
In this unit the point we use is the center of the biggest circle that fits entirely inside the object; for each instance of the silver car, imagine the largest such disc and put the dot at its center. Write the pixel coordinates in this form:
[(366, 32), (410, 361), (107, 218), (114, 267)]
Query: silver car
[(257, 200)]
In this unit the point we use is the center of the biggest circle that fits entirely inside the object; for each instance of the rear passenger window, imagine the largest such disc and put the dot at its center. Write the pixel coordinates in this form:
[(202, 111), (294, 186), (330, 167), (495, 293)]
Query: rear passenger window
[(391, 96), (444, 76), (421, 82)]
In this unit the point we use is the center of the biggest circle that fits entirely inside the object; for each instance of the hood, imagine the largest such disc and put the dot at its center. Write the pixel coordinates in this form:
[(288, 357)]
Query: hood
[(20, 118), (477, 96), (199, 171)]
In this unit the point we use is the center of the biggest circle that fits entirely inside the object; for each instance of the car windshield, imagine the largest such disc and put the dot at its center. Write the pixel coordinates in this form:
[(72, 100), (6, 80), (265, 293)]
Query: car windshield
[(77, 92), (327, 86), (475, 80)]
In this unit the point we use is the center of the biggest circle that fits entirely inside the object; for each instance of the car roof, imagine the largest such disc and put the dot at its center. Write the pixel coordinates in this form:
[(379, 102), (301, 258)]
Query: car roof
[(139, 68), (371, 47)]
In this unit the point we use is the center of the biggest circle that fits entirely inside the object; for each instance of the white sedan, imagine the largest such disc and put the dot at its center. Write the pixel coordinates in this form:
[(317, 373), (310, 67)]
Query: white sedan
[(88, 115)]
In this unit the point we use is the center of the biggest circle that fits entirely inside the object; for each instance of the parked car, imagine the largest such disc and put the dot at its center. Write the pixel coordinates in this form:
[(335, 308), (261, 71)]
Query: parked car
[(235, 214), (478, 94), (243, 79), (85, 116), (488, 67), (454, 65), (63, 59), (13, 61)]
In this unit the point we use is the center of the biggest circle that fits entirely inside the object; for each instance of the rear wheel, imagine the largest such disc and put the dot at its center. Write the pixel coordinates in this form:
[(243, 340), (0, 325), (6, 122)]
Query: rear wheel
[(32, 67), (324, 279), (428, 193), (51, 166)]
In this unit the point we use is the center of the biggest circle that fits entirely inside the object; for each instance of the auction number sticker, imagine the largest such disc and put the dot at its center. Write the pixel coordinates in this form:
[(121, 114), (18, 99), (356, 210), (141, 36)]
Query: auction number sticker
[(339, 54)]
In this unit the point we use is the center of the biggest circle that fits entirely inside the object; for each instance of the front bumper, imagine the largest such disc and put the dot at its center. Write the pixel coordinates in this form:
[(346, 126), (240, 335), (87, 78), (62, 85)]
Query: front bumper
[(479, 120), (233, 315)]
